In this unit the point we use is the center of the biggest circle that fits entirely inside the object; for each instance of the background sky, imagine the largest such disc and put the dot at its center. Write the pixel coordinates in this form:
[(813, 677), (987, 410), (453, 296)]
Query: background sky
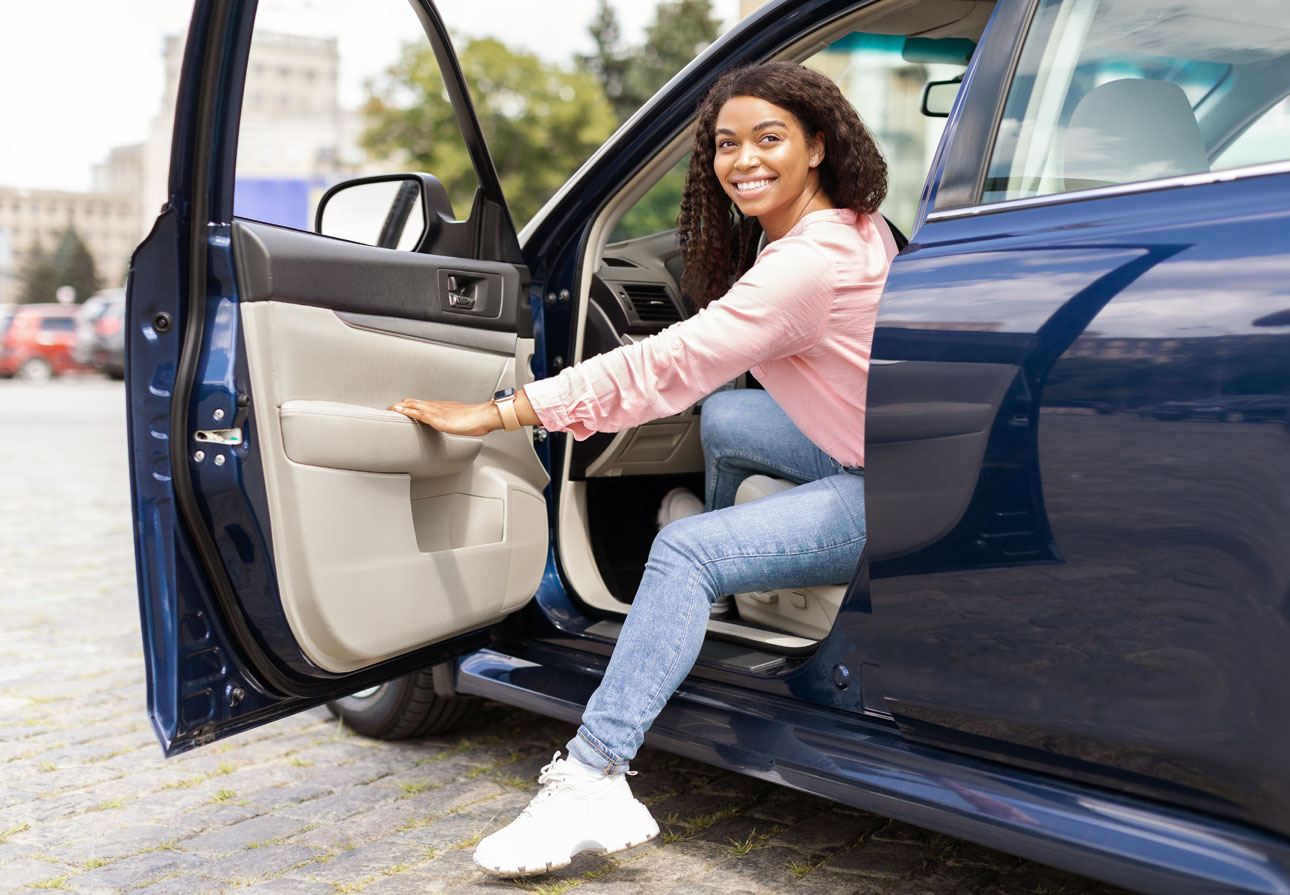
[(78, 77)]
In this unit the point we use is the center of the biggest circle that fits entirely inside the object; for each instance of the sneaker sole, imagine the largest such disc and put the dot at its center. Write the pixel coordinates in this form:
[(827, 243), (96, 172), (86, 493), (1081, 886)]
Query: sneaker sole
[(560, 865)]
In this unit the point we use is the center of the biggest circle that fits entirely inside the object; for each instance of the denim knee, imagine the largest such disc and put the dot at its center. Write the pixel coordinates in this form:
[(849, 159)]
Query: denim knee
[(724, 420), (677, 552)]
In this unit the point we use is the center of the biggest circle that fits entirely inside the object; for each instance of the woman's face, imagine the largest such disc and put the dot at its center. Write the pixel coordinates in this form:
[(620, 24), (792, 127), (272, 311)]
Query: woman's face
[(767, 164)]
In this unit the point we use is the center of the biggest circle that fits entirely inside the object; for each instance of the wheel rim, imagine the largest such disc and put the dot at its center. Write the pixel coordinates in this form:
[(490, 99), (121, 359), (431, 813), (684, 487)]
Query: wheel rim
[(36, 371), (369, 693)]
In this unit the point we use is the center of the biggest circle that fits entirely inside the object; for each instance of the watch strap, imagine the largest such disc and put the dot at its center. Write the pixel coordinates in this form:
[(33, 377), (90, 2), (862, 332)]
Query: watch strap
[(506, 407)]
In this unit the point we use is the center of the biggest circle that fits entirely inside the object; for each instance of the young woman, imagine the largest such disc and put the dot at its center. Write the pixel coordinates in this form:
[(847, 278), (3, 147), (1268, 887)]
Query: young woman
[(782, 144)]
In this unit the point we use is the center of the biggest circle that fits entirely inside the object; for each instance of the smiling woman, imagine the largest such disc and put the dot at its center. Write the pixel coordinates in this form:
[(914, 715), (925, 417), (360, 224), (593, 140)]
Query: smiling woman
[(791, 117), (779, 142)]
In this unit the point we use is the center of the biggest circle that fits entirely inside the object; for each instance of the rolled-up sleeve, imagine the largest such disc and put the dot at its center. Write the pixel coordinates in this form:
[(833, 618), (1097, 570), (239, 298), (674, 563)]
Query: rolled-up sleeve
[(779, 307)]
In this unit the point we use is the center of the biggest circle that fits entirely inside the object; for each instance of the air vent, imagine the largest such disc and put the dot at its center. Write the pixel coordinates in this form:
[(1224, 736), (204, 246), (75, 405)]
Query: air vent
[(620, 262), (652, 303)]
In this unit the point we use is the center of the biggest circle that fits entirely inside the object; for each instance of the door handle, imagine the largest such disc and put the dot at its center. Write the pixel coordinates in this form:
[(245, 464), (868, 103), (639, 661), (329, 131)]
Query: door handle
[(461, 294)]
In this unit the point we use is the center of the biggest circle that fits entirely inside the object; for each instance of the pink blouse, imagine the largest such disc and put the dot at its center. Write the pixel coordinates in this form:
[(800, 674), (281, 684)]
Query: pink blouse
[(801, 319)]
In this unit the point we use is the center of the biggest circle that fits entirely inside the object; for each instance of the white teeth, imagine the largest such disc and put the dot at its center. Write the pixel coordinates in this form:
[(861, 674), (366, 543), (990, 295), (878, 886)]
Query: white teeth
[(751, 185)]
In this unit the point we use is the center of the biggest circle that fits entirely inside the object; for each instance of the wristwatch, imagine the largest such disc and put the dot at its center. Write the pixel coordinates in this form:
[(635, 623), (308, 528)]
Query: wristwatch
[(505, 401)]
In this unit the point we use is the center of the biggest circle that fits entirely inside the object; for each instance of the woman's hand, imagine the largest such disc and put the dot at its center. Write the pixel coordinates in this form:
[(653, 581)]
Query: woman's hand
[(452, 417)]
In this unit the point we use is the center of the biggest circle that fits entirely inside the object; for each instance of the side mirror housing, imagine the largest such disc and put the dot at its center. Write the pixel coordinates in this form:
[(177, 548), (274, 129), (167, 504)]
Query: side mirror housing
[(939, 96), (390, 211)]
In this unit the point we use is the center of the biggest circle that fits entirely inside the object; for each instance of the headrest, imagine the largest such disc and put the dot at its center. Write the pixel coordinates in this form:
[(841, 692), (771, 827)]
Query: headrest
[(1132, 129)]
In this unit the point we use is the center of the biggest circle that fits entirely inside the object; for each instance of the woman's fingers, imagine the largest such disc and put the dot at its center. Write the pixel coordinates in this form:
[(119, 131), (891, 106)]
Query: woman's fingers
[(452, 417)]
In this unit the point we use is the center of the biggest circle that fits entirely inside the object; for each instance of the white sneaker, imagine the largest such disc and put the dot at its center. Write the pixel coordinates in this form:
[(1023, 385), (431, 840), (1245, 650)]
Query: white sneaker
[(577, 810), (679, 503)]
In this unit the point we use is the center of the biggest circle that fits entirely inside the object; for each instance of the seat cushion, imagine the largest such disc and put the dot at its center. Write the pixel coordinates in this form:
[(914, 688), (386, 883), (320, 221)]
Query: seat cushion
[(804, 611)]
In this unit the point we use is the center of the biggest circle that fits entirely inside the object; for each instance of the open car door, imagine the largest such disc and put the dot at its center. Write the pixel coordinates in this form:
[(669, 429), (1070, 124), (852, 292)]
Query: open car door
[(296, 541)]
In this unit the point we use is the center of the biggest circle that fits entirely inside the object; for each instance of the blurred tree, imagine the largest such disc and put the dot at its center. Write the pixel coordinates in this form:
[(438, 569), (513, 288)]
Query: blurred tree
[(611, 62), (75, 265), (540, 121), (681, 30), (38, 279)]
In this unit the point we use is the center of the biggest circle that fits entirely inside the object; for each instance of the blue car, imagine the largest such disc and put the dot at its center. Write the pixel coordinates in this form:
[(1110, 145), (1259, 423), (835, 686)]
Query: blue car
[(1069, 636)]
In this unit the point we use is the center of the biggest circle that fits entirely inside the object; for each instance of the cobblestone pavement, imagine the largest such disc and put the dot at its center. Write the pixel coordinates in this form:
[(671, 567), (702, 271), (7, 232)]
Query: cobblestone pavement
[(302, 806)]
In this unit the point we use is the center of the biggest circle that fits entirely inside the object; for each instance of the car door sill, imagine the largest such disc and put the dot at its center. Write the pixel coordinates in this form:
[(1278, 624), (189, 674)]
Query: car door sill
[(716, 652)]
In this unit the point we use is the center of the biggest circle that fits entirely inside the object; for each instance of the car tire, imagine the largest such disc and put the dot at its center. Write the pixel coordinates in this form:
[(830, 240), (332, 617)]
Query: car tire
[(116, 374), (1234, 416), (35, 370), (403, 708)]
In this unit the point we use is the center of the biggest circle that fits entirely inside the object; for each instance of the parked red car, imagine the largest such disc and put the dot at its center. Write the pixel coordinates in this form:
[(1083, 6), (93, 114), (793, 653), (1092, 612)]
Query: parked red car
[(38, 343)]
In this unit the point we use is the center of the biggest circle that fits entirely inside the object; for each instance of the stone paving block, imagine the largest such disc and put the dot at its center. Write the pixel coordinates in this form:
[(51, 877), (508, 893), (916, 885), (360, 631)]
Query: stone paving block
[(826, 832), (245, 834), (828, 882), (409, 883), (289, 887), (26, 871), (132, 873), (364, 862), (339, 805), (881, 858), (117, 844), (80, 777), (361, 829), (763, 869), (184, 884), (213, 815), (274, 797), (258, 863)]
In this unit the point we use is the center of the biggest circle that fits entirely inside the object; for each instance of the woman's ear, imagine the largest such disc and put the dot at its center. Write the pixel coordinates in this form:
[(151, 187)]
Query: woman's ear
[(817, 149)]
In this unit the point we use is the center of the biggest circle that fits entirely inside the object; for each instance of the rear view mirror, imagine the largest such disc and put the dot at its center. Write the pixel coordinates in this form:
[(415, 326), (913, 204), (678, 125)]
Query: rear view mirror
[(392, 211), (939, 96)]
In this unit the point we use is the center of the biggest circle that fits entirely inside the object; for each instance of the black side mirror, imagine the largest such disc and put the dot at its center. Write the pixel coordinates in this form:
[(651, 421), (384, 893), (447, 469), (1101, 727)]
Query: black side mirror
[(390, 211), (939, 96)]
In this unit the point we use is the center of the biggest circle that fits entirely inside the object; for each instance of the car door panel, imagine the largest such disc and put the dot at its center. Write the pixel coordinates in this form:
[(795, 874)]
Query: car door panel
[(927, 425), (296, 541), (275, 263), (422, 513)]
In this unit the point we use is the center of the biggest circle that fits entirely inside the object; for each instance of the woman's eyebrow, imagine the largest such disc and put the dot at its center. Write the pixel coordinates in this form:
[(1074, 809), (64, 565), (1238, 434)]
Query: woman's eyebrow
[(773, 122)]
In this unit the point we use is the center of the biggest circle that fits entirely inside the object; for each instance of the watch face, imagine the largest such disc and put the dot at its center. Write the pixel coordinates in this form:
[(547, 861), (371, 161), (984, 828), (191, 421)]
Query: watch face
[(504, 394)]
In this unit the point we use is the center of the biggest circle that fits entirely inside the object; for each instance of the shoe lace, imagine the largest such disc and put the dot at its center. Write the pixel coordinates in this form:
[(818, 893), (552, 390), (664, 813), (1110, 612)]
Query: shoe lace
[(554, 778)]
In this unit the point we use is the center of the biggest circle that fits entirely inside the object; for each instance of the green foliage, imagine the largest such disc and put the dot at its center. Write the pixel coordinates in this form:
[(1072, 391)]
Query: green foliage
[(38, 277), (540, 121), (655, 211), (631, 75), (681, 30), (70, 265)]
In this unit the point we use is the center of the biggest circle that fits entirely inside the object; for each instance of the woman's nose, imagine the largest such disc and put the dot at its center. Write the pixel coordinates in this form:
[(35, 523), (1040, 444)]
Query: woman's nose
[(747, 157)]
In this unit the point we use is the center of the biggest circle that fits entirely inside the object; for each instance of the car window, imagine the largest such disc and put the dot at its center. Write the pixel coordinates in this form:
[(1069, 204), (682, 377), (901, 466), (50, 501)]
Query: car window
[(58, 324), (1264, 140), (883, 76), (307, 106), (1109, 92)]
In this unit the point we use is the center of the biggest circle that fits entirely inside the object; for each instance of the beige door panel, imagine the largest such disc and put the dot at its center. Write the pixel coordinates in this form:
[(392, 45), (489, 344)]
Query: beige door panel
[(396, 536)]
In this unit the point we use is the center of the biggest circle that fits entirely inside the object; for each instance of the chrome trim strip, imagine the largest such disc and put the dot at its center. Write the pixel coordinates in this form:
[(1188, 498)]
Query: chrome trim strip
[(1120, 189)]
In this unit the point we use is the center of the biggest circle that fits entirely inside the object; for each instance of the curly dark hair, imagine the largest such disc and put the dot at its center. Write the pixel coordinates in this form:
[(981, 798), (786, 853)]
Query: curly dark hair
[(853, 173)]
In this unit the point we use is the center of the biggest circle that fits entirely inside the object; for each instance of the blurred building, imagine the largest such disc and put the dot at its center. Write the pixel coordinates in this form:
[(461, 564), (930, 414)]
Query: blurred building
[(106, 223)]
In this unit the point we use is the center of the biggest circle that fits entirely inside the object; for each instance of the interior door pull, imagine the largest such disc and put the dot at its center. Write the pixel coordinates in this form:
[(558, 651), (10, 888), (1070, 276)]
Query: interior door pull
[(461, 295)]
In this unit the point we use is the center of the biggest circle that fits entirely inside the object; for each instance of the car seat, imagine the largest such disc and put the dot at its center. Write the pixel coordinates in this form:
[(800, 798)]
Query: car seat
[(804, 611), (1132, 129)]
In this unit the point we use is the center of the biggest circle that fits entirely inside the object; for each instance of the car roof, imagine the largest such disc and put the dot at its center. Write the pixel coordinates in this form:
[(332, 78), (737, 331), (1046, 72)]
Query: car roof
[(49, 309)]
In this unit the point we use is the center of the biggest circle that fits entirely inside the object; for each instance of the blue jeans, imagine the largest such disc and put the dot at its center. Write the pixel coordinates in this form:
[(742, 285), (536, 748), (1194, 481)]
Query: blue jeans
[(805, 536)]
